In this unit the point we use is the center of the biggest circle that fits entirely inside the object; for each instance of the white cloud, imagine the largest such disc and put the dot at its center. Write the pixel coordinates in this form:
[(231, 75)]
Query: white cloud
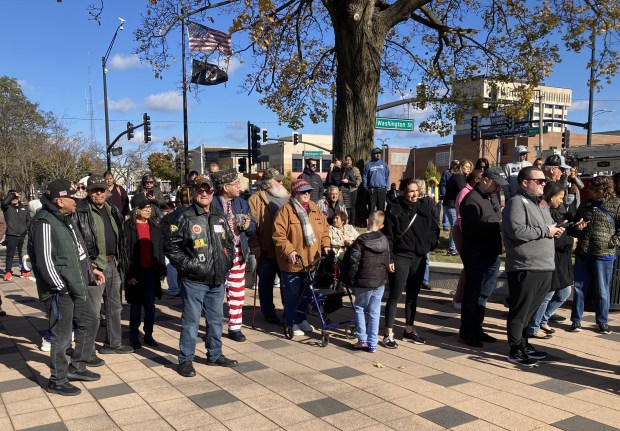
[(230, 65), (170, 101), (580, 105), (122, 62), (123, 105)]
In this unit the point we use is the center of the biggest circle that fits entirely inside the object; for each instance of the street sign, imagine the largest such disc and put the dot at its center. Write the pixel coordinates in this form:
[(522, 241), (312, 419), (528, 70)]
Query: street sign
[(117, 151), (531, 131), (393, 124), (313, 153)]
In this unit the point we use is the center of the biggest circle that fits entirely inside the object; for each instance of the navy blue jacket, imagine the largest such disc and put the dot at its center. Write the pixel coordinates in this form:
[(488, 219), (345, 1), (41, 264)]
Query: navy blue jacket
[(239, 206)]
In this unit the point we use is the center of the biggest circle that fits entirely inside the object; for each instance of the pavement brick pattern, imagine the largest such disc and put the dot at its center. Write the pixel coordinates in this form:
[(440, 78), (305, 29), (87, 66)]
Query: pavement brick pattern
[(299, 385)]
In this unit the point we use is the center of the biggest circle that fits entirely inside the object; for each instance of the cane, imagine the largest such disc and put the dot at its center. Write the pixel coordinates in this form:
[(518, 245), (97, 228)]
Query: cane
[(255, 291)]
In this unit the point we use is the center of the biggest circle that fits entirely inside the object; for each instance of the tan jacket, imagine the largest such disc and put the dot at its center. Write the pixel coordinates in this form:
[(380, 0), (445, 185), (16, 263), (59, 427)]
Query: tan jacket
[(263, 238), (288, 236)]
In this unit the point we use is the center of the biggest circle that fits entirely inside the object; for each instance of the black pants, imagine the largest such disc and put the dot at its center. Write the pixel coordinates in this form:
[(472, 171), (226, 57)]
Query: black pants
[(148, 284), (526, 290), (408, 274), (377, 199), (481, 273), (351, 211), (72, 309), (13, 243)]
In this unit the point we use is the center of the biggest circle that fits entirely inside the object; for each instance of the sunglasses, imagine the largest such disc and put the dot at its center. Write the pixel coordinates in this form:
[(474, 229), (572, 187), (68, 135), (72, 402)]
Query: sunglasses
[(205, 192), (82, 187), (305, 192), (538, 181), (313, 166)]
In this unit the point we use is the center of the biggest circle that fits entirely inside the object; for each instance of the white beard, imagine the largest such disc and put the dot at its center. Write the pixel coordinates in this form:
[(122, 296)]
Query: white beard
[(279, 192)]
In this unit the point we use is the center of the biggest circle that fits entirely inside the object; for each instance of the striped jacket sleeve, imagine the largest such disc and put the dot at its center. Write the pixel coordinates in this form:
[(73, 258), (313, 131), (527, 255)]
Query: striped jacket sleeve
[(45, 257)]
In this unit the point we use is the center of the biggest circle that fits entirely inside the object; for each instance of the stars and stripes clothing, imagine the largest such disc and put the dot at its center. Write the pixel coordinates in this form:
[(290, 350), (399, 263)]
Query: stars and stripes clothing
[(235, 291), (205, 39)]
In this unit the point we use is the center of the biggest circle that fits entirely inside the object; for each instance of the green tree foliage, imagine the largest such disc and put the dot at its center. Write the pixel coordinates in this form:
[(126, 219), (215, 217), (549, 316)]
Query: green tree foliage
[(431, 172), (162, 166), (303, 53)]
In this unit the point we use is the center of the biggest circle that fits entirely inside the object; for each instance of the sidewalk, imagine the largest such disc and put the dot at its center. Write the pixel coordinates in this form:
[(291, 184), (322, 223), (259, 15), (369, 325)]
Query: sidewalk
[(298, 385)]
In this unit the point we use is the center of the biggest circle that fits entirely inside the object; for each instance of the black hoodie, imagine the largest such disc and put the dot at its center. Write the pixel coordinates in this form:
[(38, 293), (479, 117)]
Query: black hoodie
[(370, 258)]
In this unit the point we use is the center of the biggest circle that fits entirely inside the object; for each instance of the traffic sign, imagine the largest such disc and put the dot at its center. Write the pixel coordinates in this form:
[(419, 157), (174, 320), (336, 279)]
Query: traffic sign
[(393, 124), (531, 131), (117, 151), (313, 153)]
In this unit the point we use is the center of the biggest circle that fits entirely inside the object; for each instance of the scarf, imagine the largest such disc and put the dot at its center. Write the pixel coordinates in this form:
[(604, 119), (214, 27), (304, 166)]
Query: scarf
[(306, 227)]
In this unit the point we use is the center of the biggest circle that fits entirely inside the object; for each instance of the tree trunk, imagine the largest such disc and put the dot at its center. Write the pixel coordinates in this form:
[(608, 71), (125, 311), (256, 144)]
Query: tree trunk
[(359, 40)]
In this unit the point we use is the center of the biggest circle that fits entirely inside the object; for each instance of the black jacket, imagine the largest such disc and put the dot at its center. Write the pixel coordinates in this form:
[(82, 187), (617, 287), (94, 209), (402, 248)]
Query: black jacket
[(455, 184), (87, 229), (369, 260), (136, 294), (315, 180), (17, 217), (200, 246), (481, 224), (335, 177), (563, 275), (421, 237)]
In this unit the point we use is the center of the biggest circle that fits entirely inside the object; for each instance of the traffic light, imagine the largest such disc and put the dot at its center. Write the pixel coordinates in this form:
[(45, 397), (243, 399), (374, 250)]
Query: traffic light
[(474, 128), (129, 130), (295, 138), (510, 123), (178, 164), (565, 138), (147, 127), (264, 136), (255, 140), (243, 165)]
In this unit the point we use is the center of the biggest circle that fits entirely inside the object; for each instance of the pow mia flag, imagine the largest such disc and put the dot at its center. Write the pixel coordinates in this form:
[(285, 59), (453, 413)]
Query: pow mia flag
[(207, 73)]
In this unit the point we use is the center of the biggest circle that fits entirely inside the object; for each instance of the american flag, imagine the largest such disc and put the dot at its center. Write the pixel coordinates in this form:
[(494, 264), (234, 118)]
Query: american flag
[(205, 39)]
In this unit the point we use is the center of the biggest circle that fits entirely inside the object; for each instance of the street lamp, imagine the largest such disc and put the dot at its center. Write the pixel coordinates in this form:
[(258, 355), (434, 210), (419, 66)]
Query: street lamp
[(415, 147), (591, 115), (104, 60)]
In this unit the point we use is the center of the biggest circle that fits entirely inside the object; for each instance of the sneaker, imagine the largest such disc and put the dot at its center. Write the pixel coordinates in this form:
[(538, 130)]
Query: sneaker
[(186, 369), (520, 357), (427, 286), (389, 342), (66, 389), (26, 274), (532, 353), (150, 341), (83, 376), (8, 276), (46, 345), (305, 326), (414, 337), (223, 361), (556, 318), (297, 330), (235, 336), (604, 329), (456, 305), (106, 350), (2, 312), (360, 345), (453, 253), (95, 362), (372, 349), (575, 327)]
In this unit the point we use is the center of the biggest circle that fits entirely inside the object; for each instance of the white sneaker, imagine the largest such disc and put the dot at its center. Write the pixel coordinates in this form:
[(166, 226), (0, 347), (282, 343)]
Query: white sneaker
[(297, 330), (46, 346), (305, 326)]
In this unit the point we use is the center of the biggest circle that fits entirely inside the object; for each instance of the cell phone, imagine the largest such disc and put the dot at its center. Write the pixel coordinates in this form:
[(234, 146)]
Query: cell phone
[(149, 193), (567, 225)]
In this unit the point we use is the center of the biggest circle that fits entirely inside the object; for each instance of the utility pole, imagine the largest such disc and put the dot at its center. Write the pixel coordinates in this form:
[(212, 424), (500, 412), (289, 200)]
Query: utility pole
[(541, 114), (591, 85)]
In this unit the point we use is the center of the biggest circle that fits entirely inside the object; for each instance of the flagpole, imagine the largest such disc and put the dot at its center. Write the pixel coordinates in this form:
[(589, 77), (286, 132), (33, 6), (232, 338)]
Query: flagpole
[(185, 131)]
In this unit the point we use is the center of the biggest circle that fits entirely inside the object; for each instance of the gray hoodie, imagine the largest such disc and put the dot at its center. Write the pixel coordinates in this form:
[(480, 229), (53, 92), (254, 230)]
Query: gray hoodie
[(512, 171), (525, 234)]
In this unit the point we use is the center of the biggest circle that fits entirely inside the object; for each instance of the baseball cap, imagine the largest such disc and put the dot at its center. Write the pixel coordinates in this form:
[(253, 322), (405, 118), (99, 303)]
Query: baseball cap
[(201, 180), (96, 182), (300, 186), (61, 189), (139, 201), (272, 174), (375, 151), (556, 160), (497, 175), (224, 177)]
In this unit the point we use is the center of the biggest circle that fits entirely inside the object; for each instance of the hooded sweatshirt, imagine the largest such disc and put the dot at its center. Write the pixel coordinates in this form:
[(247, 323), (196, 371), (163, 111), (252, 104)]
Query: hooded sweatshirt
[(370, 258), (512, 171), (376, 174)]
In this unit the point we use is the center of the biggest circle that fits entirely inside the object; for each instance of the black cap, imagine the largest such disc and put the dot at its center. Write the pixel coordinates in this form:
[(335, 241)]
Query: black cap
[(497, 175), (96, 182), (139, 201), (61, 189), (556, 160)]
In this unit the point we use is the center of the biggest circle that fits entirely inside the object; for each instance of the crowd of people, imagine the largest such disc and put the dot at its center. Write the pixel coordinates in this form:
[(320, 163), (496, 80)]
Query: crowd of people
[(89, 245)]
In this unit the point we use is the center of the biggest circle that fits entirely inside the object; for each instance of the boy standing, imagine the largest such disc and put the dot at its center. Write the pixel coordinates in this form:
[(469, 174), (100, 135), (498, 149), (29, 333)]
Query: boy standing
[(368, 273)]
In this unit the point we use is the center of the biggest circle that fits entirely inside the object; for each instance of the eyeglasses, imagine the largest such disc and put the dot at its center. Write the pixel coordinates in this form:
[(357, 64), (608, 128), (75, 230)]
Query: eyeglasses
[(305, 192), (205, 191), (148, 182), (146, 208), (82, 187), (538, 181), (312, 166)]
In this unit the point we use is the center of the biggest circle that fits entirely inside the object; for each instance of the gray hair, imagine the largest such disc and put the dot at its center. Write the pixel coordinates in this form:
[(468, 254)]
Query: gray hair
[(264, 184), (330, 188)]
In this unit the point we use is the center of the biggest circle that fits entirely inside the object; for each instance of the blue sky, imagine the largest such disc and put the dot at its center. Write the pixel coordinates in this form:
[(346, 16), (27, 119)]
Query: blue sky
[(55, 51)]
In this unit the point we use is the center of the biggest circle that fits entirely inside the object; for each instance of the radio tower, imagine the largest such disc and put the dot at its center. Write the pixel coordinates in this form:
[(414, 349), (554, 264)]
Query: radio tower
[(90, 112)]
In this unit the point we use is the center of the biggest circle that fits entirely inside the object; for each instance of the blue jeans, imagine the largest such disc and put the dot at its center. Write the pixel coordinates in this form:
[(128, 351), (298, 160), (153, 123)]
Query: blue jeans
[(550, 303), (427, 271), (292, 285), (481, 274), (368, 301), (589, 270), (267, 270), (450, 214), (197, 298), (173, 279)]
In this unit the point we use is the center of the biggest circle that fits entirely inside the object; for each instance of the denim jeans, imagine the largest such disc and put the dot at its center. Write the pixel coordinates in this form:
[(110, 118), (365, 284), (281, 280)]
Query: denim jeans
[(72, 309), (550, 303), (293, 285), (267, 271), (427, 270), (368, 301), (480, 279), (450, 213), (173, 279), (590, 270), (111, 291), (197, 298)]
